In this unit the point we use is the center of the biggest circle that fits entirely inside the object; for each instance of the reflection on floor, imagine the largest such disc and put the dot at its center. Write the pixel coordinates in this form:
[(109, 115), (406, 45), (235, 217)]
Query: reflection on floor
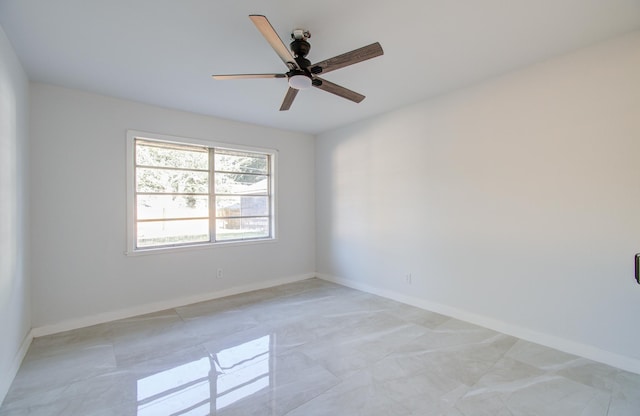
[(209, 384), (308, 348)]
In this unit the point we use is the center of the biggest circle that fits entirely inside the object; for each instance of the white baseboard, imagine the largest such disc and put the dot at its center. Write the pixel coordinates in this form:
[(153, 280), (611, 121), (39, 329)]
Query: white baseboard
[(583, 350), (160, 306), (7, 378)]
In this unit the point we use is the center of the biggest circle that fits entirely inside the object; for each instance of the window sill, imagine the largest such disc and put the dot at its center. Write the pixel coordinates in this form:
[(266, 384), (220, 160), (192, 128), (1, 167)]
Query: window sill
[(193, 247)]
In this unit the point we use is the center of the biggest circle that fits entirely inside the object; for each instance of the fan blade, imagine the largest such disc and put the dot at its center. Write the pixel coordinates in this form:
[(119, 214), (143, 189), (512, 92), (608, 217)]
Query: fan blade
[(288, 99), (349, 58), (248, 76), (274, 40), (339, 91)]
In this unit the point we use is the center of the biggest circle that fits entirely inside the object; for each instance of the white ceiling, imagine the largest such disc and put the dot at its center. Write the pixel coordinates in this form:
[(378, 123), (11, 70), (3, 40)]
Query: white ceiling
[(163, 52)]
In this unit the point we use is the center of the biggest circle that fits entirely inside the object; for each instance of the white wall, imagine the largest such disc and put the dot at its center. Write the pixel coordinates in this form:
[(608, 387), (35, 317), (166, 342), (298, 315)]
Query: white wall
[(80, 272), (15, 315), (515, 203)]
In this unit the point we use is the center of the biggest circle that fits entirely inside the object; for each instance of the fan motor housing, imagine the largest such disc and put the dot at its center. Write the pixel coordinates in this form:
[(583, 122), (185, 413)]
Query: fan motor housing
[(300, 47)]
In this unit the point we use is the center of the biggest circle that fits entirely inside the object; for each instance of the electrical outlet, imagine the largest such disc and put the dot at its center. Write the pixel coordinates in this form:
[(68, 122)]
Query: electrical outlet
[(407, 278), (219, 274)]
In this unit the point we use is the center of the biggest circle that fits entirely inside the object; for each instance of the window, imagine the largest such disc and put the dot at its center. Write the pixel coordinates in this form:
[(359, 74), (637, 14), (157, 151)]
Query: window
[(184, 193)]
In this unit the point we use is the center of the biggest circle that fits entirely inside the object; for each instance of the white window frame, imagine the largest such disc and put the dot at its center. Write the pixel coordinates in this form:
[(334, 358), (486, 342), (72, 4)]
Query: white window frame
[(131, 207)]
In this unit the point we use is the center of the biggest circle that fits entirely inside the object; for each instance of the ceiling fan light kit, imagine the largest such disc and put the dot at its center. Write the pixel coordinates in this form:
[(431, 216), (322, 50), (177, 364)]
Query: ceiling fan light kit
[(300, 81), (301, 73)]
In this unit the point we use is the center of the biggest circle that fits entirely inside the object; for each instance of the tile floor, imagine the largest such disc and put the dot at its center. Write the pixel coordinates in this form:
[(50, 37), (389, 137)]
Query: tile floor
[(308, 348)]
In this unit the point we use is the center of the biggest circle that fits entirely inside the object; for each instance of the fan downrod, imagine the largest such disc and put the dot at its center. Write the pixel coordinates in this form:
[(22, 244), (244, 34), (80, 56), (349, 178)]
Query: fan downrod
[(300, 47)]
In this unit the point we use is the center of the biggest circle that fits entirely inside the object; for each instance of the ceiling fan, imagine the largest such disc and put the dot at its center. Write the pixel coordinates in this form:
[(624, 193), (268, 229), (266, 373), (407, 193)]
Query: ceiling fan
[(301, 73)]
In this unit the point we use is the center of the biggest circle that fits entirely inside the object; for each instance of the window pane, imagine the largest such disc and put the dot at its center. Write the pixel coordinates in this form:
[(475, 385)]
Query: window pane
[(171, 181), (241, 184), (242, 228), (172, 232), (231, 161), (236, 206), (171, 156), (255, 227), (172, 206)]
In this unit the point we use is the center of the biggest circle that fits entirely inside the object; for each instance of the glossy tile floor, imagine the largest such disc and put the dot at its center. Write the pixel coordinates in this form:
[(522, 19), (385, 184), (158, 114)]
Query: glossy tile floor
[(308, 348)]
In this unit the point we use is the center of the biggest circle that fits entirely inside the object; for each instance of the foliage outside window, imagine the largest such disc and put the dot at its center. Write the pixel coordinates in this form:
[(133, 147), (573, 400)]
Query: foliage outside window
[(186, 194)]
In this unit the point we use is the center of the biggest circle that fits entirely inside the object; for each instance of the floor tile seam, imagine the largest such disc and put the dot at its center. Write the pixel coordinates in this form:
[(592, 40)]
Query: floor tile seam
[(508, 407), (340, 381), (454, 405), (355, 325), (335, 381), (129, 363), (63, 389), (545, 371), (503, 401), (484, 341), (555, 369), (99, 372), (464, 413), (603, 389), (562, 366), (206, 312), (359, 342), (187, 327), (136, 366), (400, 403), (339, 377), (499, 388), (180, 315), (593, 397), (297, 350), (506, 354), (420, 324), (36, 363), (233, 307), (276, 295), (348, 374), (508, 394), (200, 314), (289, 295), (130, 336), (609, 405), (450, 348), (394, 350), (368, 367), (489, 370), (179, 335), (115, 357), (619, 385)]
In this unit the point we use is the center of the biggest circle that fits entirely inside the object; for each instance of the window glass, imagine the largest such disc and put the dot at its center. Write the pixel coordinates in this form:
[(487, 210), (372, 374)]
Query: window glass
[(242, 228), (230, 161), (162, 181), (154, 207), (241, 184), (171, 155), (162, 233)]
